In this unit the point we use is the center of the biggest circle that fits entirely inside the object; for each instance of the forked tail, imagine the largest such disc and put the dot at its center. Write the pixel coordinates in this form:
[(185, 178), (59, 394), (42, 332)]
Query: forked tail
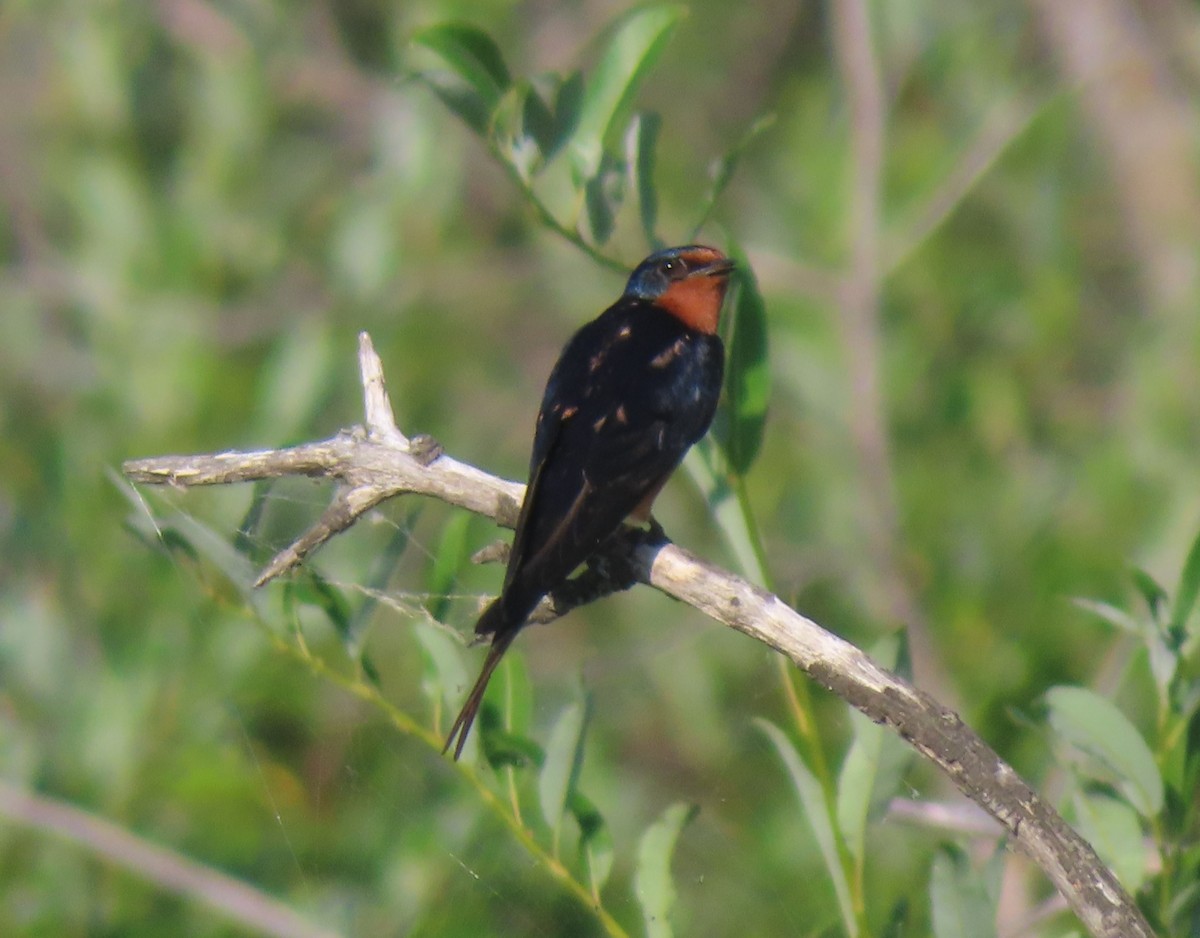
[(493, 622)]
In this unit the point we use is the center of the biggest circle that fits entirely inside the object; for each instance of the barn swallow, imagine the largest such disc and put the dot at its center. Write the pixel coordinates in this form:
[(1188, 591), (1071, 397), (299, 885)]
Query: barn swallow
[(630, 393)]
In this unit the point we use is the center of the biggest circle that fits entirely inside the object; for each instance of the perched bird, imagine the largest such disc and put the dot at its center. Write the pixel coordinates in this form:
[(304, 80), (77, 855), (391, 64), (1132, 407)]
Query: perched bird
[(630, 393)]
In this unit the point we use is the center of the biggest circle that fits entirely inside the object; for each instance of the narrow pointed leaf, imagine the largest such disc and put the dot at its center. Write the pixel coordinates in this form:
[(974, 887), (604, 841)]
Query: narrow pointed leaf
[(564, 757), (603, 196), (452, 553), (817, 812), (641, 141), (516, 692), (385, 565), (1189, 589), (552, 126), (595, 841), (636, 42), (1154, 595), (1095, 726), (472, 109), (874, 766), (748, 381), (959, 900), (652, 883), (1114, 829), (472, 55), (1110, 614)]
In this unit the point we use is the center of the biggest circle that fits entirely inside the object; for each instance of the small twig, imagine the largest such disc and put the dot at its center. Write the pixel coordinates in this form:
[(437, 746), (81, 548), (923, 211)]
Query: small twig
[(236, 900), (371, 466)]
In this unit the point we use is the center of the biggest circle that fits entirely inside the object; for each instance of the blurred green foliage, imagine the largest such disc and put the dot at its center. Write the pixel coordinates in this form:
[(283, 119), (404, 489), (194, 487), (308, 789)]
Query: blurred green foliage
[(201, 205)]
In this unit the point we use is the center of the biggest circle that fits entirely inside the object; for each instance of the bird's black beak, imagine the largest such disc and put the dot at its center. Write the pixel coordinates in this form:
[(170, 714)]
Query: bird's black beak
[(722, 267)]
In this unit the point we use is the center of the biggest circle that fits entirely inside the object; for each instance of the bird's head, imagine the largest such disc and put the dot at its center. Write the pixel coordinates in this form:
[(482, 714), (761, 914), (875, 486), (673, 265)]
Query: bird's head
[(688, 282)]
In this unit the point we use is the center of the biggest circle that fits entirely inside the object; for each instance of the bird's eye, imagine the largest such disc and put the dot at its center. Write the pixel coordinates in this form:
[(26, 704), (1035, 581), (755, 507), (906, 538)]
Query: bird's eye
[(674, 268)]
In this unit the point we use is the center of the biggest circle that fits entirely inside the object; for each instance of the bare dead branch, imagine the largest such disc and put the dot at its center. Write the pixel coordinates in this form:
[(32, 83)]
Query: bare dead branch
[(378, 463)]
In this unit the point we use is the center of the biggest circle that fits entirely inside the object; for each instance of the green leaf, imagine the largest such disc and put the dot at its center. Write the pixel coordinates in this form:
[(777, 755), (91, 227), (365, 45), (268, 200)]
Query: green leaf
[(551, 128), (516, 694), (1111, 614), (817, 811), (445, 674), (473, 55), (705, 465), (1095, 726), (314, 590), (636, 42), (1113, 828), (215, 548), (1154, 595), (652, 883), (385, 565), (246, 540), (460, 98), (961, 904), (603, 196), (640, 156), (595, 841), (874, 766), (748, 378), (452, 553), (1189, 589), (564, 757), (514, 141)]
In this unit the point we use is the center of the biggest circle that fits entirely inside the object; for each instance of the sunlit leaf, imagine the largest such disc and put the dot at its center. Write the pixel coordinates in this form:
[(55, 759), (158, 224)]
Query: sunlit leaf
[(817, 812), (1092, 724), (652, 883), (377, 581), (706, 464), (873, 768), (217, 550), (1113, 828), (452, 553), (445, 676), (515, 691), (564, 757), (640, 156), (1110, 614), (636, 42), (961, 905)]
